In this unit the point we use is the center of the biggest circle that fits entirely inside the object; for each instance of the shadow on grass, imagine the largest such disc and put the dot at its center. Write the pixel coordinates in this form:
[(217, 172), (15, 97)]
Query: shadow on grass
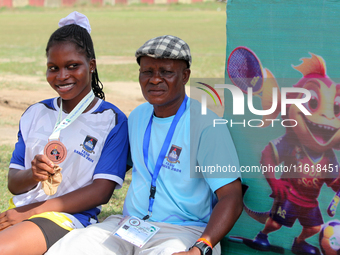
[(115, 205)]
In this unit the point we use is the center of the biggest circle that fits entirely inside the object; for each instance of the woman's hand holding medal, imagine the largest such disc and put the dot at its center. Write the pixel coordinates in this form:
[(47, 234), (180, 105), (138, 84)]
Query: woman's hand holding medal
[(46, 172), (42, 168)]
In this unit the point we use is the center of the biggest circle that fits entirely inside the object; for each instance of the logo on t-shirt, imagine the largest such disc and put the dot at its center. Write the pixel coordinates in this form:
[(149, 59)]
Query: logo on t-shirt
[(173, 154), (89, 144)]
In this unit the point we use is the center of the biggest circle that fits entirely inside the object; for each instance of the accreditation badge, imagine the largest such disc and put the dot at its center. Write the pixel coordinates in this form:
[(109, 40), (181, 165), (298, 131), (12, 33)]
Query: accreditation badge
[(55, 151), (136, 231)]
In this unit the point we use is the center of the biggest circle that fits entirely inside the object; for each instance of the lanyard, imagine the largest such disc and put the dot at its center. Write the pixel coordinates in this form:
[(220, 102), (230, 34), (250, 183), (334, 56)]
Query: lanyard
[(161, 156), (72, 116)]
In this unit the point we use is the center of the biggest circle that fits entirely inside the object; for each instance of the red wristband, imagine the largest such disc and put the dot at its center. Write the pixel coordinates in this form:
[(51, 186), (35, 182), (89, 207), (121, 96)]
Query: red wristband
[(205, 241)]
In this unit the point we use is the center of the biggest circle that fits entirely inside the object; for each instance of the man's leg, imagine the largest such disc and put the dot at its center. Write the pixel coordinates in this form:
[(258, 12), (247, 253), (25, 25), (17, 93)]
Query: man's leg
[(95, 239)]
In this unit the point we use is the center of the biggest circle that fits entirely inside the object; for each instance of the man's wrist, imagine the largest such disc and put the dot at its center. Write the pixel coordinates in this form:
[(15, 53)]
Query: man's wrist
[(205, 241), (204, 246)]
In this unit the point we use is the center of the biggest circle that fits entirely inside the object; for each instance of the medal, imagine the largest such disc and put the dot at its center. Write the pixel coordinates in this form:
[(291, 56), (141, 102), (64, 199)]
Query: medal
[(50, 186), (55, 151)]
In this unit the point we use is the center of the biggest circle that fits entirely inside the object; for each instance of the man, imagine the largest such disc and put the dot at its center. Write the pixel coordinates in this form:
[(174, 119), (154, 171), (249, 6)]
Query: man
[(168, 138)]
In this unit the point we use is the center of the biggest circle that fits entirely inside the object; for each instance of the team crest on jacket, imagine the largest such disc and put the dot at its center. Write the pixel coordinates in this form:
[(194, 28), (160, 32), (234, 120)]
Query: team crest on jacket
[(89, 144), (173, 154)]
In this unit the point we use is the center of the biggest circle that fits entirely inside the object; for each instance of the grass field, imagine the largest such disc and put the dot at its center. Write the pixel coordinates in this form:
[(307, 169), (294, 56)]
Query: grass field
[(117, 32)]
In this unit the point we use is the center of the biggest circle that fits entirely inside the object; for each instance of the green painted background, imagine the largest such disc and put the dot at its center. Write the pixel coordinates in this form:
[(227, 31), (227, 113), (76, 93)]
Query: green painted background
[(280, 33)]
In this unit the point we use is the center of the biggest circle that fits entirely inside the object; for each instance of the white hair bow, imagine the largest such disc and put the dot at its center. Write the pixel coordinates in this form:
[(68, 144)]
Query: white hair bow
[(76, 18)]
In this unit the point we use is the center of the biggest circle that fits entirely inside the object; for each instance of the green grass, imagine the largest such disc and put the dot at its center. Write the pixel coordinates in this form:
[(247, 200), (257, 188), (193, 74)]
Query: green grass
[(116, 31), (115, 205), (5, 156)]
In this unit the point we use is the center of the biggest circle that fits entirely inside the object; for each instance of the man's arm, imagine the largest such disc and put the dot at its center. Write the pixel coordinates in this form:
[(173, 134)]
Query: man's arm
[(224, 215)]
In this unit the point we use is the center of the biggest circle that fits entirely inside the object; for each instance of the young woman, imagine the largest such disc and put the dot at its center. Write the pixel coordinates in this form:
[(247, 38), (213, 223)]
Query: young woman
[(71, 150)]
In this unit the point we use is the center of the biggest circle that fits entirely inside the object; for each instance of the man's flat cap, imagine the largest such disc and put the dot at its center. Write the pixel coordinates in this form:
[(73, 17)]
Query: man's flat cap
[(166, 46)]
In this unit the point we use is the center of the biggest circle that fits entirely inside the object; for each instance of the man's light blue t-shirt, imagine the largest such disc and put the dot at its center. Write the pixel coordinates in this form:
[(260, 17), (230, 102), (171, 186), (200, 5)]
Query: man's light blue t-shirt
[(180, 199)]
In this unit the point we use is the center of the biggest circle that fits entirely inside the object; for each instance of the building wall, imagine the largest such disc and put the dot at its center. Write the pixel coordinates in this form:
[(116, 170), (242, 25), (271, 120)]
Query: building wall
[(98, 2), (6, 3), (60, 3), (52, 3), (147, 1), (68, 2), (19, 3), (36, 2), (109, 2)]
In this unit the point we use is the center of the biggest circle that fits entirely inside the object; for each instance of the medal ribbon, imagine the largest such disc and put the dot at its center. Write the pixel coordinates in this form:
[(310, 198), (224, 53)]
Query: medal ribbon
[(72, 116), (161, 156)]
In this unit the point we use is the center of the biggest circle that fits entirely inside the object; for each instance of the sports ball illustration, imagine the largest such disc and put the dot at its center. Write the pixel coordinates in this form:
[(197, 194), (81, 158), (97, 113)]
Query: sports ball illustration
[(330, 238)]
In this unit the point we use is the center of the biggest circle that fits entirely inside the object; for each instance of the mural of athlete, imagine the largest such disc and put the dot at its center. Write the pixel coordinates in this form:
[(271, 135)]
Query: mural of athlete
[(308, 147)]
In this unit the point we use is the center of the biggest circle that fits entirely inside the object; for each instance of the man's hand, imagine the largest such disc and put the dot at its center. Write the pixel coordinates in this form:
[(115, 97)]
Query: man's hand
[(193, 251), (224, 215)]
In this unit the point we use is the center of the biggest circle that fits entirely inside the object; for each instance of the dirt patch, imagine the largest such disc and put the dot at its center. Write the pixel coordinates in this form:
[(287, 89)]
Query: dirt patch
[(13, 102), (17, 59), (125, 95), (115, 60), (102, 60), (36, 80)]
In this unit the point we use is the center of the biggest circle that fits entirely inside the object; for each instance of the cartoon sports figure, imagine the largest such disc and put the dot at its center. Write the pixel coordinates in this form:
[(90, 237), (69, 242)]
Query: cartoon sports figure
[(308, 148)]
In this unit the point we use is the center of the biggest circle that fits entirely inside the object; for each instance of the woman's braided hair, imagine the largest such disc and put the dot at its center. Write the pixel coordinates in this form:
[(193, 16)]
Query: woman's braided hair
[(82, 39)]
